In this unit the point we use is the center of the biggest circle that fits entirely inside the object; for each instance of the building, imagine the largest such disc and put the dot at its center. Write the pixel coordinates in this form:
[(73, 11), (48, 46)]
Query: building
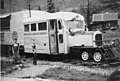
[(105, 21)]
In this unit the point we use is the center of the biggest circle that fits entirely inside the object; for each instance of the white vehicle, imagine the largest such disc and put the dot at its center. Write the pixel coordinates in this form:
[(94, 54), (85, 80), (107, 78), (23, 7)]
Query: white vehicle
[(62, 33), (51, 33)]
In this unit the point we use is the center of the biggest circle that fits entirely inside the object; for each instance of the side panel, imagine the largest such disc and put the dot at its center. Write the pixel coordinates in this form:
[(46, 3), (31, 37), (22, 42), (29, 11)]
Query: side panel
[(78, 40), (39, 36), (41, 41)]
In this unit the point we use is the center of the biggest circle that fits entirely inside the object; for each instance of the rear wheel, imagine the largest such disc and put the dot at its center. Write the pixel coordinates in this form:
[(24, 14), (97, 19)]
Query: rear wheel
[(85, 55), (97, 56)]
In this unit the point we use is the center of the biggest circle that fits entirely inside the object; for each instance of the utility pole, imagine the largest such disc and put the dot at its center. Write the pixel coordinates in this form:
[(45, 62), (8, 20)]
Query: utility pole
[(29, 10), (88, 15), (2, 4), (10, 6), (39, 8)]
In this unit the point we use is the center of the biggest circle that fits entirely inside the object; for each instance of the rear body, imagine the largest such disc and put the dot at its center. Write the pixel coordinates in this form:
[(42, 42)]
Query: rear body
[(48, 35)]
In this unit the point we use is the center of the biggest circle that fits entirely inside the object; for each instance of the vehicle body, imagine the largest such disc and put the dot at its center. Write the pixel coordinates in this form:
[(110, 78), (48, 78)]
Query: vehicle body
[(63, 33)]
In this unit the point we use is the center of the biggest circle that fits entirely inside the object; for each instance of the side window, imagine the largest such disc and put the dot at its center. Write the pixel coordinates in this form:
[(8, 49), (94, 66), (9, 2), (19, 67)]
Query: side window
[(42, 26), (59, 24), (53, 24), (26, 27), (52, 38), (60, 38), (33, 27)]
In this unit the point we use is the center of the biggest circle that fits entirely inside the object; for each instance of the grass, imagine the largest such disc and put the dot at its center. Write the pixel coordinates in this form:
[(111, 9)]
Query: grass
[(113, 35), (110, 35), (6, 64)]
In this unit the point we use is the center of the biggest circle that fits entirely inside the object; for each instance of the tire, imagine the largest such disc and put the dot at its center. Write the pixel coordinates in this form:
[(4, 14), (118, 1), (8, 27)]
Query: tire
[(97, 56), (85, 55)]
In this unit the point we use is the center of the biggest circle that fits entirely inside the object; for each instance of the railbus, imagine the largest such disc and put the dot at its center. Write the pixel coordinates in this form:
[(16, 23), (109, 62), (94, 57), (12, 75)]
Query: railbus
[(63, 33)]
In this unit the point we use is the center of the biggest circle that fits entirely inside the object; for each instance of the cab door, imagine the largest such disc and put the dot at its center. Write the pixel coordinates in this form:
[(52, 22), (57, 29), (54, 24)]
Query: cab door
[(60, 36)]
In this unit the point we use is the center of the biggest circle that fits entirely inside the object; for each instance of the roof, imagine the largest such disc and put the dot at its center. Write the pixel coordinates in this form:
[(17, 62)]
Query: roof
[(42, 15), (4, 15), (68, 15), (105, 17), (8, 14), (36, 16)]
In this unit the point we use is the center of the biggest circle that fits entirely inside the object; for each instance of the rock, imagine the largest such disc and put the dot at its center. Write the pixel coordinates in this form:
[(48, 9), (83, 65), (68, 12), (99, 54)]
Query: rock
[(3, 73), (21, 65), (15, 68), (19, 68), (17, 65)]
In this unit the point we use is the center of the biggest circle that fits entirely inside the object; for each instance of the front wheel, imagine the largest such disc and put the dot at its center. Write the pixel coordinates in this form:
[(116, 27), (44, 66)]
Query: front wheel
[(97, 56), (85, 55)]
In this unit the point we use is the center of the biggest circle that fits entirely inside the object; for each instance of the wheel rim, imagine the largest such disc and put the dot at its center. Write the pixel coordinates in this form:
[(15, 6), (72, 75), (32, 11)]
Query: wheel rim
[(97, 56), (85, 55)]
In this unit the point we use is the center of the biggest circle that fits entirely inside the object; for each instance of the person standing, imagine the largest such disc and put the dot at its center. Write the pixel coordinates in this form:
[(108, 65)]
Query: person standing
[(34, 54), (15, 51)]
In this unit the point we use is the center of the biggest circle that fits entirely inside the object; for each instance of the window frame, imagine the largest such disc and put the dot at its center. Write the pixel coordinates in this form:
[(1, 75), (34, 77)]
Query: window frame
[(28, 27), (35, 27), (55, 24), (61, 40), (60, 24), (42, 29)]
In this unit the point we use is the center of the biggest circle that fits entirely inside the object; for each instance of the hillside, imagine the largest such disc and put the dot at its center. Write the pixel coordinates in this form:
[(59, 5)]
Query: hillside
[(78, 6), (17, 5), (96, 6)]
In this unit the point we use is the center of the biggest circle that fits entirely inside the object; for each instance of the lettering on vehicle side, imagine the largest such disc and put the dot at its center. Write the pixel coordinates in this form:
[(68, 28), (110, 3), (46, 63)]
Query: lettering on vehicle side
[(40, 33)]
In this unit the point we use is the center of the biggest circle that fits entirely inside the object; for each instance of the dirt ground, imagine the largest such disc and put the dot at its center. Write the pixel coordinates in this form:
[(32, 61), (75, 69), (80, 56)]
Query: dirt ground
[(65, 74), (49, 71)]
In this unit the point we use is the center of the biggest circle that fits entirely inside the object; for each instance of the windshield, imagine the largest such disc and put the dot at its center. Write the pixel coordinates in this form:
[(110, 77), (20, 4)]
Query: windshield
[(74, 24)]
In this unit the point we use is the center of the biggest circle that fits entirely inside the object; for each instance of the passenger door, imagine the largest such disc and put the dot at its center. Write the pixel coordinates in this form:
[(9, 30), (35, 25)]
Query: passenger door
[(53, 37), (56, 36)]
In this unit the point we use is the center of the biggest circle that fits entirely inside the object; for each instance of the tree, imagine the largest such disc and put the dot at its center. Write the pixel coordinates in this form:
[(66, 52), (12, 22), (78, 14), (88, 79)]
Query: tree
[(50, 6), (94, 7), (57, 9), (111, 5)]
